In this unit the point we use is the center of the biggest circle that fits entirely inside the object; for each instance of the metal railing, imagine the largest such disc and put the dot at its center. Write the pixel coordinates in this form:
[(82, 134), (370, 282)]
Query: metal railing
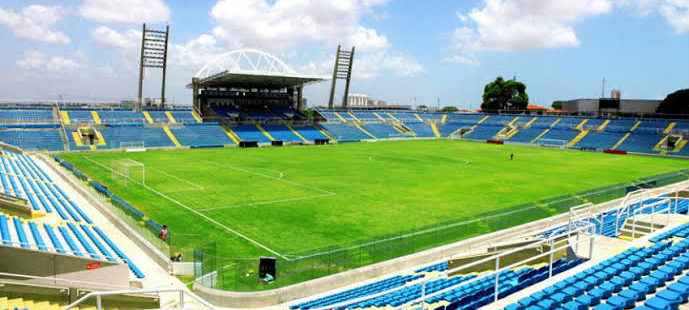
[(180, 305), (588, 230)]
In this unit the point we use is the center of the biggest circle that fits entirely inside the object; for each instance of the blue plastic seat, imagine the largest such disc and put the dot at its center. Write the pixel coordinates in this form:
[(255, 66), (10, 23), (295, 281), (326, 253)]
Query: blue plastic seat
[(681, 289), (661, 276), (547, 304), (599, 293), (631, 294), (642, 288), (606, 307), (671, 296), (620, 302), (658, 303), (587, 300), (527, 301), (561, 298), (514, 307), (652, 282), (574, 305)]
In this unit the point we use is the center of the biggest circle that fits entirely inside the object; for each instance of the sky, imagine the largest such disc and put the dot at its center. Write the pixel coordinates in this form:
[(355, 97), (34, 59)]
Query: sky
[(407, 52)]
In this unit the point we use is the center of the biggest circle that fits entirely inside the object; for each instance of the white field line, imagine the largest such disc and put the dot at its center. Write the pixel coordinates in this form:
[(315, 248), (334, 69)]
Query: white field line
[(193, 211), (198, 187), (266, 202), (329, 193)]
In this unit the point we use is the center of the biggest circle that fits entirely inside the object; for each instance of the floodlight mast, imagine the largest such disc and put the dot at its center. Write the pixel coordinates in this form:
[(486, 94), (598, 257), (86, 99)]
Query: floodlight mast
[(154, 45), (341, 71)]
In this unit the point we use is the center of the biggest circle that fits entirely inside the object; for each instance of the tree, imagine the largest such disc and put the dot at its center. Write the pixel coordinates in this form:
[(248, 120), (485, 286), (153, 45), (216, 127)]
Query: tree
[(422, 108), (557, 105), (504, 95), (449, 109), (675, 103)]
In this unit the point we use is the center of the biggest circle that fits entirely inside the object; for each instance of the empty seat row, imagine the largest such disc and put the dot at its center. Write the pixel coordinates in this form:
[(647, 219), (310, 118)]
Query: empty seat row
[(620, 282)]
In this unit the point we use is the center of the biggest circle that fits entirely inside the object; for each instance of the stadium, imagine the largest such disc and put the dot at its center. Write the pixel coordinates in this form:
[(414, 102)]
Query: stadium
[(242, 200)]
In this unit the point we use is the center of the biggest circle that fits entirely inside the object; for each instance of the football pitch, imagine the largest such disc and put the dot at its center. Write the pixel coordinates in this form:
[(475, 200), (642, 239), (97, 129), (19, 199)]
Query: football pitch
[(276, 201)]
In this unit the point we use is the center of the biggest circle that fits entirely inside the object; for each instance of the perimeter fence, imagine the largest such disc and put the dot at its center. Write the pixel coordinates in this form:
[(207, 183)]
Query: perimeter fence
[(241, 274)]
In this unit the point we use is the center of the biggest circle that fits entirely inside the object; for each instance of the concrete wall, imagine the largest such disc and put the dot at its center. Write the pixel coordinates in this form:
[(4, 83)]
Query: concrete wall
[(626, 105), (46, 264)]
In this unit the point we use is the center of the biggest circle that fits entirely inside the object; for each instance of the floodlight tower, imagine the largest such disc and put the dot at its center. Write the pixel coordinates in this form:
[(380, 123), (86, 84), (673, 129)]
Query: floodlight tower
[(342, 71), (153, 55)]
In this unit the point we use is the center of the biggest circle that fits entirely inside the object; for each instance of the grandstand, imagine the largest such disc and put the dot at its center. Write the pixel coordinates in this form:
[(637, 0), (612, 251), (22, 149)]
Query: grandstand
[(430, 216)]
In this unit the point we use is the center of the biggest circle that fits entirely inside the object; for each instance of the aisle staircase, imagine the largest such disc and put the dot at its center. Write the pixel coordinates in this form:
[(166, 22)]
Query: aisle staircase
[(435, 130), (580, 136)]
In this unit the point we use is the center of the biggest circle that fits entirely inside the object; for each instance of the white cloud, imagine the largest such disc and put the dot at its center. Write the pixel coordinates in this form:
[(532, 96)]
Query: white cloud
[(195, 53), (519, 25), (277, 26), (373, 55), (34, 23), (125, 11), (35, 62), (125, 42), (676, 13), (256, 23)]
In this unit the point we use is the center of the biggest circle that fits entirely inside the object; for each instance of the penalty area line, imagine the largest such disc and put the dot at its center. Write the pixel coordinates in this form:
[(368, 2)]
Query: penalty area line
[(195, 212)]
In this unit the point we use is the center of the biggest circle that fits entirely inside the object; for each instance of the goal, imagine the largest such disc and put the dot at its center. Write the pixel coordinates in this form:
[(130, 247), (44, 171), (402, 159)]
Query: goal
[(133, 146), (552, 143), (126, 171)]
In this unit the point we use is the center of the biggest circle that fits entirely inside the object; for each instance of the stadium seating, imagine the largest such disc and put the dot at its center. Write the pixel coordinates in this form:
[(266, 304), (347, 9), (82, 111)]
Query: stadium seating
[(633, 277), (470, 296), (599, 140), (183, 116), (25, 115), (421, 129), (288, 113), (310, 132), (620, 125), (281, 133), (566, 123), (229, 112), (250, 133), (152, 137), (201, 134), (640, 143), (593, 123), (345, 132), (159, 116), (485, 131), (115, 117), (75, 235), (544, 121), (526, 135), (448, 128), (33, 139), (80, 116), (381, 130)]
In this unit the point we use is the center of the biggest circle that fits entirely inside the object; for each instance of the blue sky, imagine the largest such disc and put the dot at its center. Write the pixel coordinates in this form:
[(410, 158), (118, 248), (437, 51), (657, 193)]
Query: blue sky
[(407, 51)]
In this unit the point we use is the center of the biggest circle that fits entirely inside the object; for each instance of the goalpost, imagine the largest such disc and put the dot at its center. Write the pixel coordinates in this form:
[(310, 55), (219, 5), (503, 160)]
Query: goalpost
[(127, 170), (133, 146), (552, 143)]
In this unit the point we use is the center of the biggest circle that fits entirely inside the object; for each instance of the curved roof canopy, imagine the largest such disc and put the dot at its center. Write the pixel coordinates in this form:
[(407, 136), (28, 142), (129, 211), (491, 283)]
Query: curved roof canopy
[(250, 68)]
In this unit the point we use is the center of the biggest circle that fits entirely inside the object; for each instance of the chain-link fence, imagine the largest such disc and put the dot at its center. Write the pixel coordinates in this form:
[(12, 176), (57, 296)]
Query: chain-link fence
[(241, 274)]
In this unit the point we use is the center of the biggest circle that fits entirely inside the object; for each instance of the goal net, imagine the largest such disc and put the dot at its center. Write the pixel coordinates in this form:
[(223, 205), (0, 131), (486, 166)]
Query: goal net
[(552, 143), (133, 146), (126, 171)]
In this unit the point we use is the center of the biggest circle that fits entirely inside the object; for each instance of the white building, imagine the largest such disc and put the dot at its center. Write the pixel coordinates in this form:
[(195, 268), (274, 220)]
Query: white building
[(357, 100)]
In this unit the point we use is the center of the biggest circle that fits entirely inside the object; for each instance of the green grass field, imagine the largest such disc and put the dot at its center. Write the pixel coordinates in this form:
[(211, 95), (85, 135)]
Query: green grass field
[(283, 200)]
